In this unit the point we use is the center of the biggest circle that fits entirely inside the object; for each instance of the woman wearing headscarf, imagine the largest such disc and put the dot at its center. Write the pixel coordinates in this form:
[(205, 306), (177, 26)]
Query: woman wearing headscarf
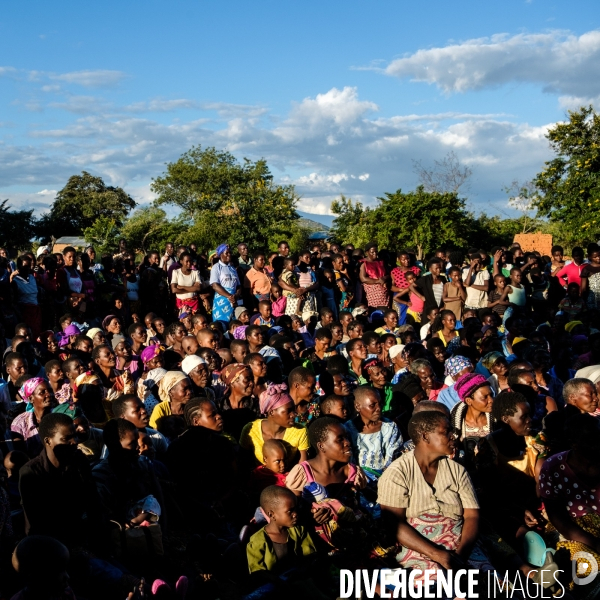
[(454, 367), (496, 364), (174, 389), (196, 369), (238, 406), (112, 327), (87, 395), (114, 384), (279, 408), (225, 281), (152, 358)]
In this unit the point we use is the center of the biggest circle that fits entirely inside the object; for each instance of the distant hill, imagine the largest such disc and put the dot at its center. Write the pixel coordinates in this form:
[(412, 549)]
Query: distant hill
[(320, 222), (312, 225)]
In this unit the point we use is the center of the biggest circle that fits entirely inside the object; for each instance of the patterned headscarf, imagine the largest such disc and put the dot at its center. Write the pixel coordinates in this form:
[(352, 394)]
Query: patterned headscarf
[(221, 249), (29, 387), (466, 385), (87, 378), (455, 364), (369, 364), (239, 333), (154, 377), (274, 397), (168, 382), (231, 373), (490, 359), (150, 352)]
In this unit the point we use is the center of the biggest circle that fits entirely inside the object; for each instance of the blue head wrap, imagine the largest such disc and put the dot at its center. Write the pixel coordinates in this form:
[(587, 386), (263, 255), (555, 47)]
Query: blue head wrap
[(221, 249)]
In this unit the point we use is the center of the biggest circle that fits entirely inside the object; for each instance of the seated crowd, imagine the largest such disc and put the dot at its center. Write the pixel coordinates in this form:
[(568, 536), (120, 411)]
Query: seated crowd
[(231, 426)]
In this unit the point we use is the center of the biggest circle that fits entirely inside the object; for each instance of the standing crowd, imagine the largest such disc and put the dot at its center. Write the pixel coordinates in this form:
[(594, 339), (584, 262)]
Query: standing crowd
[(244, 424)]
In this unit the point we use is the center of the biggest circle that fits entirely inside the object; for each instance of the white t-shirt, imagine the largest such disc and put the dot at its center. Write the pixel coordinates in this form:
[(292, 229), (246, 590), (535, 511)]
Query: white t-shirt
[(476, 298), (186, 281)]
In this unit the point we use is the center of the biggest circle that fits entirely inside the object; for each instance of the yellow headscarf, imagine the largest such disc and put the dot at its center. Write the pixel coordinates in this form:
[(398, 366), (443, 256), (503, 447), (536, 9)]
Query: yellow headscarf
[(168, 382)]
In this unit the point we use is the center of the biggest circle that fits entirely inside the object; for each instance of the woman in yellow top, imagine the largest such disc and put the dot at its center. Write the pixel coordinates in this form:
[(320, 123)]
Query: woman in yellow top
[(175, 390), (444, 326), (278, 405)]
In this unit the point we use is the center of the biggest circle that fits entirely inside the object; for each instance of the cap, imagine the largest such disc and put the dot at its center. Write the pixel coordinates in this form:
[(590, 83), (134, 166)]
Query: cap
[(189, 363)]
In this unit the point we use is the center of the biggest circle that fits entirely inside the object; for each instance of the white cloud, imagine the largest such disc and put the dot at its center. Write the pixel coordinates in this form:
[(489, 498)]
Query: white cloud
[(51, 193), (99, 78), (372, 154), (559, 61)]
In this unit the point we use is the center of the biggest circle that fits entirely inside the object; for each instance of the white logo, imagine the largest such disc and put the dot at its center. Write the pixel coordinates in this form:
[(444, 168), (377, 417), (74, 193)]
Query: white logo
[(588, 565)]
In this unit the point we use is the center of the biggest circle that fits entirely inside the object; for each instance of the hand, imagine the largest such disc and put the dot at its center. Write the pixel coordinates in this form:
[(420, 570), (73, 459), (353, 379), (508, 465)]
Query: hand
[(449, 560), (381, 281), (497, 255), (530, 519), (231, 299), (13, 275), (320, 515), (531, 260)]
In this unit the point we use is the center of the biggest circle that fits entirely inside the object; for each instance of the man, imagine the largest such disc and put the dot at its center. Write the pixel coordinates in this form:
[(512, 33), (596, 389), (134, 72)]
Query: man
[(122, 251), (168, 258), (132, 409), (477, 283), (284, 249), (244, 261)]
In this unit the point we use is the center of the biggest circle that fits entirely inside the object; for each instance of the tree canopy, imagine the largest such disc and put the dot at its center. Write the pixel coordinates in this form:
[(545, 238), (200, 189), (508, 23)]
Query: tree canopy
[(569, 185), (227, 200), (17, 227)]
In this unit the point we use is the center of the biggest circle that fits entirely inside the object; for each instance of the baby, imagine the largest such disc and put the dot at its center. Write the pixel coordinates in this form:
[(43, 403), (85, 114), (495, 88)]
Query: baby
[(280, 544), (334, 406), (273, 471)]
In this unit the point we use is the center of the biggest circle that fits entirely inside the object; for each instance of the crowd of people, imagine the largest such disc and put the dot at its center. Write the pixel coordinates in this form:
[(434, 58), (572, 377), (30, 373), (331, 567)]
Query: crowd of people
[(245, 424)]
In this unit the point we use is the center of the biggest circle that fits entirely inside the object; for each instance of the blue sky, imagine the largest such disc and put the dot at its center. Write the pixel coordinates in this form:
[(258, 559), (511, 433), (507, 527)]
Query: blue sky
[(339, 97)]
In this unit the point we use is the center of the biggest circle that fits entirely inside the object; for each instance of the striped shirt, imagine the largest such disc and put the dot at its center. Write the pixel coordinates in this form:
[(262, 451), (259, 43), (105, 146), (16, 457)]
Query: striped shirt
[(403, 485)]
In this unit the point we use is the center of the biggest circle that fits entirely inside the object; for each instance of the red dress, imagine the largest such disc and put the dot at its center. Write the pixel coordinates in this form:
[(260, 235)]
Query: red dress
[(377, 294)]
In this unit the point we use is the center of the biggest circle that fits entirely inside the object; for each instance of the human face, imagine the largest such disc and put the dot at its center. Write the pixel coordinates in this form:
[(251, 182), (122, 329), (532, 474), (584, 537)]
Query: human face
[(515, 276), (118, 304), (145, 447), (63, 442), (369, 408), (557, 256), (179, 333), (391, 320), (182, 392), (449, 322), (244, 384), (55, 374), (82, 427), (225, 258), (265, 313), (442, 439), (209, 417), (305, 391), (186, 263), (377, 376), (399, 361), (338, 264), (357, 332), (259, 263), (75, 370), (336, 446), (520, 422), (528, 378), (433, 314), (114, 326), (455, 276), (85, 345), (595, 258), (52, 344), (338, 409), (284, 249), (99, 339), (106, 358), (500, 367), (482, 399), (322, 344), (208, 339), (159, 326), (359, 351), (274, 459), (371, 253), (404, 260), (439, 353), (284, 415), (425, 374), (69, 259), (17, 368), (239, 353), (337, 333), (435, 269), (256, 338), (130, 441), (340, 387), (259, 367), (92, 254), (123, 350), (156, 362), (138, 335), (285, 513), (189, 345), (586, 399), (136, 413), (199, 375), (41, 397), (169, 249)]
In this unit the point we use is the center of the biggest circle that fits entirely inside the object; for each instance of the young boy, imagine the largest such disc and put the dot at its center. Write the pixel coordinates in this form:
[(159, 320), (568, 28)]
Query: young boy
[(496, 301), (239, 350), (334, 406), (264, 316), (431, 315), (572, 305), (280, 537), (278, 301), (326, 318)]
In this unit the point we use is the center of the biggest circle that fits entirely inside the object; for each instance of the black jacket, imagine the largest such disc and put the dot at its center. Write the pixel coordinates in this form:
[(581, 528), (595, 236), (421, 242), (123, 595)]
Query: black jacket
[(425, 284)]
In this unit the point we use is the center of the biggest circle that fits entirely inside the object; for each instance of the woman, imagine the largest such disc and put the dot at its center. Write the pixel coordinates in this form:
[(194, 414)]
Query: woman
[(186, 285), (71, 285), (174, 334), (112, 327), (237, 406), (59, 384), (49, 342), (126, 361), (436, 527), (174, 390), (373, 277), (472, 416), (399, 362), (26, 294), (431, 386), (375, 440), (113, 383), (332, 472), (568, 487), (399, 283), (548, 384), (590, 277), (278, 405), (445, 327), (496, 364), (307, 279), (432, 287), (137, 333), (377, 376), (197, 370), (226, 284), (37, 394), (506, 466), (97, 336), (315, 358)]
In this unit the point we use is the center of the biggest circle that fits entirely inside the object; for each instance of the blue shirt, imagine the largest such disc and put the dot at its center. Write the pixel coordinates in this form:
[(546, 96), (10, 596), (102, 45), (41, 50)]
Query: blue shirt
[(449, 397)]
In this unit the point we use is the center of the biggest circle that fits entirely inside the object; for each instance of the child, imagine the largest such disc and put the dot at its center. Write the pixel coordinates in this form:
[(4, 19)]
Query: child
[(278, 301), (242, 315), (327, 317), (265, 315), (291, 288), (273, 471), (454, 294), (390, 318), (280, 537), (514, 293), (416, 300), (495, 300), (431, 315), (334, 406), (345, 319), (342, 281), (572, 305)]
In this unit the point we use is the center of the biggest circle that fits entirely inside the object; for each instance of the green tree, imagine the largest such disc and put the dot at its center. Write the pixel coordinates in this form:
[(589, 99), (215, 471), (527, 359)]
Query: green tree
[(227, 201), (103, 234), (569, 185), (81, 202), (148, 228), (17, 227), (420, 219), (351, 224)]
